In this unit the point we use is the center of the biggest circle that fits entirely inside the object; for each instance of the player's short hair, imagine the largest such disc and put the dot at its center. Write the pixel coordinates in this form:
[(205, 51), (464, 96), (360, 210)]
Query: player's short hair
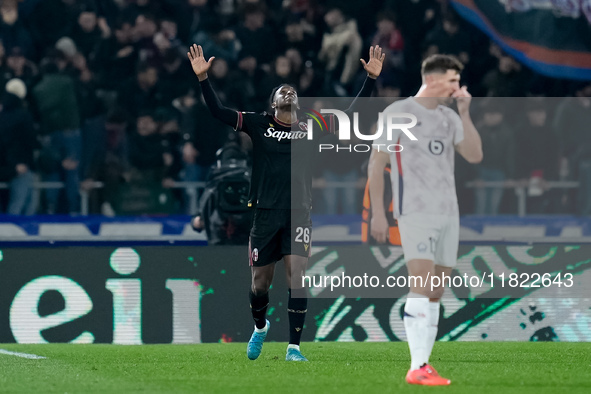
[(272, 97), (440, 64)]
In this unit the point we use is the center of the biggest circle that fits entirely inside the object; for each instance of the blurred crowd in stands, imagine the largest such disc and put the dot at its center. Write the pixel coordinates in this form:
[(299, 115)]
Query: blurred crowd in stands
[(102, 91)]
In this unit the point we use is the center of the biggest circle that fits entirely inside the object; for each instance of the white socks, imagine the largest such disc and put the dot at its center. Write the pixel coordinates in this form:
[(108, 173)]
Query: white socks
[(433, 323), (292, 346), (264, 329), (416, 323)]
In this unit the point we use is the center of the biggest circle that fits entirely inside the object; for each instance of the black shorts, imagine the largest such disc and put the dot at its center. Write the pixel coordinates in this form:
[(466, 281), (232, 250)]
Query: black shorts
[(279, 232)]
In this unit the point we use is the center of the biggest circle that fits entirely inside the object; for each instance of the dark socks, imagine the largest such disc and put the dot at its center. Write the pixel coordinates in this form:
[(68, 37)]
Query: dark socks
[(296, 310), (258, 307)]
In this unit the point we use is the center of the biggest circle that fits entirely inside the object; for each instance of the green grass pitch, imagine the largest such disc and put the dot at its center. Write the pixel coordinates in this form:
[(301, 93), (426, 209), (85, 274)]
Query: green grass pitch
[(473, 367)]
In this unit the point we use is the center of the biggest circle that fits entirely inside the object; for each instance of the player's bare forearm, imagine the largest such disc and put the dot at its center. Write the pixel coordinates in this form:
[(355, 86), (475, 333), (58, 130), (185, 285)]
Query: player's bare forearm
[(379, 222), (471, 147), (377, 164)]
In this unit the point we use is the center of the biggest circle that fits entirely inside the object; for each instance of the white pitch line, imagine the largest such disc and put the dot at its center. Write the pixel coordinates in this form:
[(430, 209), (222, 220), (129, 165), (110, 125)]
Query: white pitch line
[(23, 355)]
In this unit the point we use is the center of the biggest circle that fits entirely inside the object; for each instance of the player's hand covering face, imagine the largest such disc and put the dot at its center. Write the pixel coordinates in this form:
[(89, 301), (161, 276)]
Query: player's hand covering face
[(463, 98), (376, 59), (443, 85), (198, 62)]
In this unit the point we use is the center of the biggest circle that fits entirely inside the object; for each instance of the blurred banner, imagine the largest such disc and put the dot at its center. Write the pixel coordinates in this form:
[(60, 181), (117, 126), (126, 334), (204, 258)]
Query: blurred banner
[(550, 36), (180, 294)]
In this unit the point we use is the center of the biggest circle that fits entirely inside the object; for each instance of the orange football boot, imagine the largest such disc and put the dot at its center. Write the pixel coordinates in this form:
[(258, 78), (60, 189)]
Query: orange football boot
[(426, 376)]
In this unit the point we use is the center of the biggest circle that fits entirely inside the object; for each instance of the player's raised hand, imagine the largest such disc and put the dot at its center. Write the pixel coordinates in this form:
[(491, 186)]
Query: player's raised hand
[(198, 62), (376, 59), (463, 98)]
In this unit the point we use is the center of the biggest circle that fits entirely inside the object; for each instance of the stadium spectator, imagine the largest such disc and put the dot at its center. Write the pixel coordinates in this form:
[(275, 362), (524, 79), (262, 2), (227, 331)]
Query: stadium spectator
[(536, 137), (92, 112), (116, 57), (3, 68), (203, 135), (311, 81), (449, 38), (256, 37), (389, 37), (506, 80), (134, 8), (13, 30), (17, 143), (220, 79), (147, 151), (173, 76), (198, 16), (49, 20), (221, 42), (571, 130), (340, 51), (172, 140), (141, 92), (86, 32), (17, 66), (107, 162), (245, 81), (150, 162), (59, 116), (169, 30), (296, 61), (143, 37), (301, 36), (281, 71), (498, 164), (417, 19)]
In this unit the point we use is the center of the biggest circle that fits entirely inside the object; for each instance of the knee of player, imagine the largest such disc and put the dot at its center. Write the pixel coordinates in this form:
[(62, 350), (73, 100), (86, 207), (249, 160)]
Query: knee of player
[(261, 287), (436, 293)]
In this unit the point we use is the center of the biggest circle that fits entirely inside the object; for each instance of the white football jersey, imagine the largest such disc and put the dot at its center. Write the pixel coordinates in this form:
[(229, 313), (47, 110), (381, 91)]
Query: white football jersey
[(423, 173)]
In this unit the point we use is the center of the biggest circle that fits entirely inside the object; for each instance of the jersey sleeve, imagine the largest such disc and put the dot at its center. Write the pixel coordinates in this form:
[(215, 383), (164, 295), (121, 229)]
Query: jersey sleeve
[(246, 122)]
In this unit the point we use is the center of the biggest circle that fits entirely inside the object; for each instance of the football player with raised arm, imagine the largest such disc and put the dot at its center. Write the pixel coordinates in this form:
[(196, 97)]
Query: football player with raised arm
[(280, 195)]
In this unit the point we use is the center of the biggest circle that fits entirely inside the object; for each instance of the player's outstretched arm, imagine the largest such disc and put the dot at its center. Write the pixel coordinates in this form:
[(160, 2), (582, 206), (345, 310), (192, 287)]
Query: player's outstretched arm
[(200, 68), (379, 222), (374, 69)]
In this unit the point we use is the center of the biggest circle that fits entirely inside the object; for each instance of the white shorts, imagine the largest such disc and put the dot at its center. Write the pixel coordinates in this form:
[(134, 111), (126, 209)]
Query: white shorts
[(430, 237)]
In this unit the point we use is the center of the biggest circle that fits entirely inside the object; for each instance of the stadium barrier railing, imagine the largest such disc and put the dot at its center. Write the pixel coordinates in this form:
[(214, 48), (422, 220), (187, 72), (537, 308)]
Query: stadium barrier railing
[(192, 188), (521, 189)]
